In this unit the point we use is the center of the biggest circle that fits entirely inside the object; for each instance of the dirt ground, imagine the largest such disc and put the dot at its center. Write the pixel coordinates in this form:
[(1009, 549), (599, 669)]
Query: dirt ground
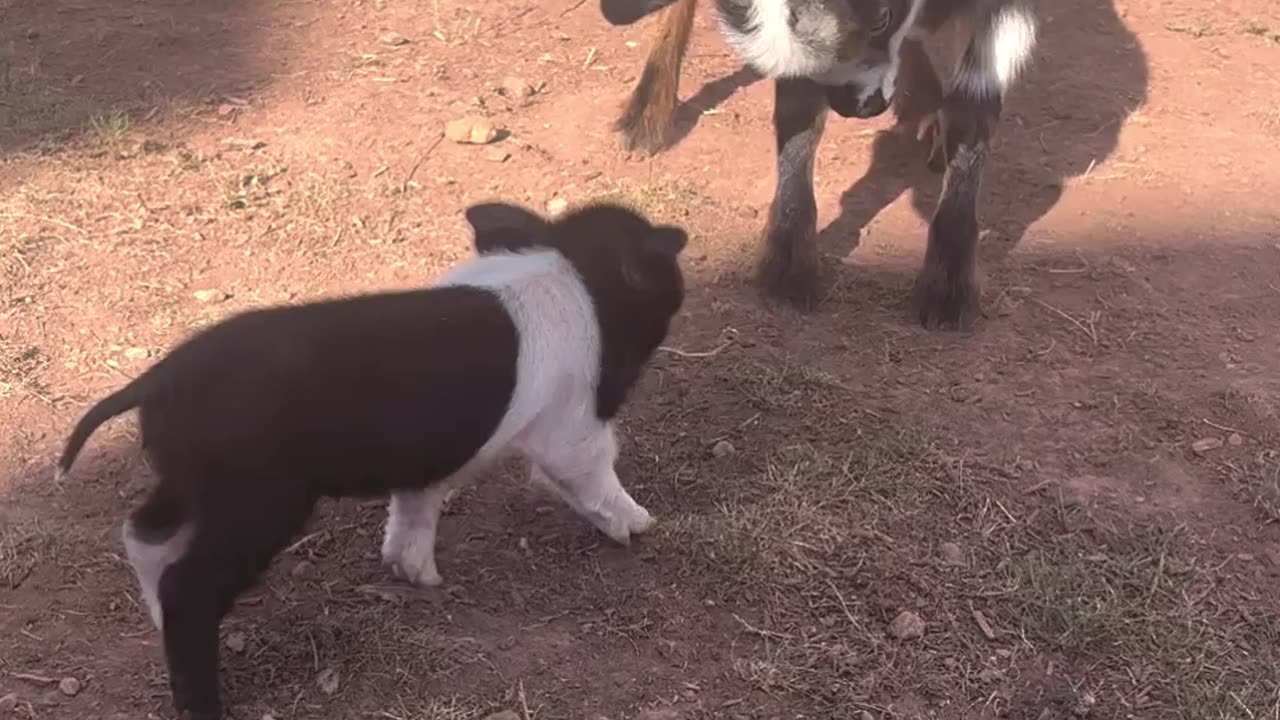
[(1079, 499)]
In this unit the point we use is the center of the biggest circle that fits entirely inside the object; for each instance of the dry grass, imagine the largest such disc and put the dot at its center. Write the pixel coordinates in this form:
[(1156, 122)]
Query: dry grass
[(825, 542), (24, 546)]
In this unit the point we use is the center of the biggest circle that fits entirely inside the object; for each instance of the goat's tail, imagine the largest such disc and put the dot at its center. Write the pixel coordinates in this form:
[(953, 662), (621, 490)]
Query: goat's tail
[(123, 400), (650, 113)]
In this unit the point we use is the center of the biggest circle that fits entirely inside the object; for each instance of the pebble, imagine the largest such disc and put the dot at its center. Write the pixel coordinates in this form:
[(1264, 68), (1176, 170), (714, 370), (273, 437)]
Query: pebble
[(137, 353), (209, 296), (1204, 445), (555, 206), (393, 39), (907, 626), (723, 448), (235, 642), (69, 686), (503, 715), (515, 87), (496, 154), (1234, 440), (304, 569), (951, 554), (328, 681), (471, 131)]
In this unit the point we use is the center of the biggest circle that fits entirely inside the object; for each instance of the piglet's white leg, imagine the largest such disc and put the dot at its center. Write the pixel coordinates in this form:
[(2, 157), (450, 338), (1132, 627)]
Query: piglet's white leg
[(409, 545), (582, 473)]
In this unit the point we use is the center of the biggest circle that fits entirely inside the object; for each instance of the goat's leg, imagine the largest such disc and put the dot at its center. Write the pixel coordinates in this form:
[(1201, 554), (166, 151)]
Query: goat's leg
[(789, 268), (946, 289)]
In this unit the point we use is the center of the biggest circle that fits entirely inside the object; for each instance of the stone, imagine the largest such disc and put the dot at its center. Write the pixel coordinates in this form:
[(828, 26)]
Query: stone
[(328, 681), (723, 448), (209, 296), (951, 554), (69, 686), (556, 206), (1204, 445), (235, 642), (471, 131), (907, 626)]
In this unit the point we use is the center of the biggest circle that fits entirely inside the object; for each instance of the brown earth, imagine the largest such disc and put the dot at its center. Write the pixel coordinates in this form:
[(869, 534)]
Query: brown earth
[(1079, 498)]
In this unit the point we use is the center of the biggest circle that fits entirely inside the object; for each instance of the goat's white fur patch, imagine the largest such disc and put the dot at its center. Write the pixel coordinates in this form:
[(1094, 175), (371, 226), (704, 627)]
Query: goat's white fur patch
[(550, 418), (149, 562), (770, 46), (1001, 54)]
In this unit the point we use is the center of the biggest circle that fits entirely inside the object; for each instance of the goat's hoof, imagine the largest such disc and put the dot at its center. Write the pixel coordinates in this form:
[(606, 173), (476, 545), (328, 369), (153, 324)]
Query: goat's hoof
[(789, 269), (945, 300)]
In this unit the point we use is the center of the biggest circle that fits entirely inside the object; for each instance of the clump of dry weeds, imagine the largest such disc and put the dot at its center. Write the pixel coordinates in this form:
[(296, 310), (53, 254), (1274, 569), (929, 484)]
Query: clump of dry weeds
[(818, 547)]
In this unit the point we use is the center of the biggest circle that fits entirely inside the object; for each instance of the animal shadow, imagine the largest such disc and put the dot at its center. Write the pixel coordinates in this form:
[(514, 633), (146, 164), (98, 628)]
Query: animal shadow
[(1063, 118)]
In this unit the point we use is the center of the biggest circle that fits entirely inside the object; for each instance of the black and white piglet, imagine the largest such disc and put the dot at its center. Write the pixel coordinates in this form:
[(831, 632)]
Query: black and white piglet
[(532, 347)]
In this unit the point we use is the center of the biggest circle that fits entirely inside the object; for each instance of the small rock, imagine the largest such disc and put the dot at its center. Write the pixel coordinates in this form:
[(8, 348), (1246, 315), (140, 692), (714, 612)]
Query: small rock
[(907, 626), (555, 206), (517, 88), (865, 715), (328, 681), (235, 642), (723, 448), (1204, 445), (69, 686), (951, 554), (1234, 440), (304, 569), (268, 716), (524, 544), (137, 353), (496, 154), (471, 131), (393, 39), (989, 675), (504, 715), (210, 296)]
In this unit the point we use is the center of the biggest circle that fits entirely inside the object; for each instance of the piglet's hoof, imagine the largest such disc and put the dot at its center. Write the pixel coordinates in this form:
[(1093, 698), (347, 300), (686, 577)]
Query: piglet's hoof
[(421, 577)]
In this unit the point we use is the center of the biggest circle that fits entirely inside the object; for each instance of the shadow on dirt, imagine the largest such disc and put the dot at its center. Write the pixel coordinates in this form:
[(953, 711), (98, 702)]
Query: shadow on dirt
[(1063, 118), (68, 68)]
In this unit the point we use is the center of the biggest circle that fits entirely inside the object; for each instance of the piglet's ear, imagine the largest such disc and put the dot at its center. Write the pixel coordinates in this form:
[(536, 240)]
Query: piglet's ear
[(666, 240), (502, 226)]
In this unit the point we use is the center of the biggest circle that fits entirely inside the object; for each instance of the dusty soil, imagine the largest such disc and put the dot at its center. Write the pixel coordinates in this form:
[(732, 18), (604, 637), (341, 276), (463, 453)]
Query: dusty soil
[(1079, 498)]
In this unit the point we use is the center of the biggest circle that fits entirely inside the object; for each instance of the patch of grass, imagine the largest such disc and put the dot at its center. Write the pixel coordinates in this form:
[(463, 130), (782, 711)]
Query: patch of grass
[(1196, 30), (20, 369), (818, 548), (1256, 481), (1262, 30), (109, 127), (24, 547)]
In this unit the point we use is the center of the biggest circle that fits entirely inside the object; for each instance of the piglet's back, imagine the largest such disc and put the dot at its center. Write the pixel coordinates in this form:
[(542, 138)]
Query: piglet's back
[(394, 388)]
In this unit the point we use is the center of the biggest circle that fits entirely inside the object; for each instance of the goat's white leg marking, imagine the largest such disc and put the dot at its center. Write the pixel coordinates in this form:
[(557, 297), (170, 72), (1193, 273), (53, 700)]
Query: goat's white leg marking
[(409, 545), (149, 562), (583, 475)]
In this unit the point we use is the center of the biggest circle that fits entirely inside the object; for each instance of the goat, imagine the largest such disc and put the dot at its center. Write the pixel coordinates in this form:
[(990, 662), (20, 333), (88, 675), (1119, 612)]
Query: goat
[(846, 55), (531, 347)]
